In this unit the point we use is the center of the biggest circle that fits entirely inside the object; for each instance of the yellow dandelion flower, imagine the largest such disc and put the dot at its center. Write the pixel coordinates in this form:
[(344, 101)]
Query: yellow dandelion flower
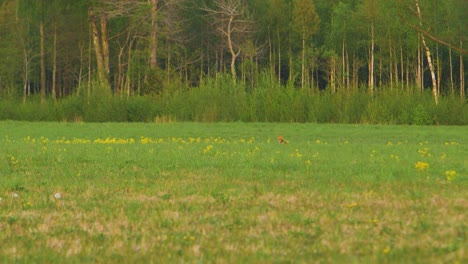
[(450, 175), (421, 166)]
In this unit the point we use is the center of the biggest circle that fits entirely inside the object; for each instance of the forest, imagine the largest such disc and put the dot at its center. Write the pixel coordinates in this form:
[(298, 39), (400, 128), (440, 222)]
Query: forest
[(58, 50)]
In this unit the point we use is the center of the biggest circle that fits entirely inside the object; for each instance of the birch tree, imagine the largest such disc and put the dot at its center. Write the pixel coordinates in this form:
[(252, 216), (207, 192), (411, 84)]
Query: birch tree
[(234, 24), (306, 23)]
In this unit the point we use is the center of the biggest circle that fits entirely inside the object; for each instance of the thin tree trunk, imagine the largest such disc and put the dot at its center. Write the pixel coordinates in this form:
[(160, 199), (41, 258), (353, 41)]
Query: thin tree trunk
[(462, 74), (344, 64), (105, 44), (348, 85), (54, 70), (380, 69), (407, 73), (303, 62), (428, 56), (234, 54), (402, 68), (153, 34), (451, 72), (271, 64), (279, 58), (419, 72), (43, 69), (395, 66), (80, 72), (439, 69), (371, 67), (333, 73), (291, 70), (390, 68), (89, 63)]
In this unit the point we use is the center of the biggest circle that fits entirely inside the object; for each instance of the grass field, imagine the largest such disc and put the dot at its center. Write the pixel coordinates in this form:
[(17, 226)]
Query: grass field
[(229, 193)]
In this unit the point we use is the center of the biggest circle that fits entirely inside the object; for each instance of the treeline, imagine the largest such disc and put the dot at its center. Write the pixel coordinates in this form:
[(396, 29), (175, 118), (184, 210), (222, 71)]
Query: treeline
[(58, 48)]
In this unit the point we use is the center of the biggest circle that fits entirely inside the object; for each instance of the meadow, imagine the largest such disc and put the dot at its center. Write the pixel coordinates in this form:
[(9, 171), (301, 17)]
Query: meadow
[(230, 193)]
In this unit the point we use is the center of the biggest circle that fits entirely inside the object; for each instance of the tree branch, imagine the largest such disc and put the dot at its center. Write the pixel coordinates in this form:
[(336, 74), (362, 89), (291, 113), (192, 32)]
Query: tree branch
[(434, 38)]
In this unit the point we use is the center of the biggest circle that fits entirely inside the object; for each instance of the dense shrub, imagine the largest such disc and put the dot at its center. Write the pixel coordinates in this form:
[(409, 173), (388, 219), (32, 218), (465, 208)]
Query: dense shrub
[(221, 99)]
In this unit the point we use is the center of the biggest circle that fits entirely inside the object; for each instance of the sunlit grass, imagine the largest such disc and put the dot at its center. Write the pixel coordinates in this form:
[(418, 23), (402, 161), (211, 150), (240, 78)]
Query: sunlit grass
[(187, 192)]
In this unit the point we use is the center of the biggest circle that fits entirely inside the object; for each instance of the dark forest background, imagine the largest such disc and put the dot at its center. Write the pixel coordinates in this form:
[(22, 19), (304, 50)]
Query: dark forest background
[(353, 61)]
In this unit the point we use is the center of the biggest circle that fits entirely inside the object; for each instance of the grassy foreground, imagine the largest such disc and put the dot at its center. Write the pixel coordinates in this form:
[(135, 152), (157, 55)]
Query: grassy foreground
[(229, 193)]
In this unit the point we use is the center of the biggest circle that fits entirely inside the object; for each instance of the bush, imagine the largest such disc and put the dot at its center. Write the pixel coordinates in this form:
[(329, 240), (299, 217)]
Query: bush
[(223, 100)]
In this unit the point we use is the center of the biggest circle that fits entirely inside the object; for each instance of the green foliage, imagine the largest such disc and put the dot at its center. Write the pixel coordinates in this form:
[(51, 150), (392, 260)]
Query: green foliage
[(216, 100)]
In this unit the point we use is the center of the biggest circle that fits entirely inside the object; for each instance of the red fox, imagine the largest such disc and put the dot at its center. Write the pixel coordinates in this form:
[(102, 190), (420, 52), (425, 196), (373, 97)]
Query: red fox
[(281, 140)]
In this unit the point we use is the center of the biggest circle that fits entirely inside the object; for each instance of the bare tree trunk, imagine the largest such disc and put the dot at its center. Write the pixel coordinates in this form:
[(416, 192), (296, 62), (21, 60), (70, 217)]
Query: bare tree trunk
[(451, 72), (462, 74), (89, 64), (348, 85), (303, 62), (380, 70), (419, 72), (26, 60), (80, 72), (395, 67), (407, 73), (154, 34), (279, 58), (54, 70), (271, 64), (234, 54), (439, 69), (43, 69), (333, 73), (105, 44), (101, 49), (402, 68), (390, 68), (344, 64), (371, 67), (291, 66), (428, 56)]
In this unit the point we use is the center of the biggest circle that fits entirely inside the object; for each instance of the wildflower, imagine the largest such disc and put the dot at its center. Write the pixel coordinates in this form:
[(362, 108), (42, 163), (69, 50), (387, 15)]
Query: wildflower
[(450, 175), (57, 196), (389, 143), (351, 205), (0, 199), (386, 250), (207, 149), (424, 152), (15, 195), (421, 166)]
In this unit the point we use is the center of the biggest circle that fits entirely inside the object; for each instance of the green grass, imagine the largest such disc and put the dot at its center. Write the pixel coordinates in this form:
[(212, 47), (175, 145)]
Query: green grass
[(229, 193)]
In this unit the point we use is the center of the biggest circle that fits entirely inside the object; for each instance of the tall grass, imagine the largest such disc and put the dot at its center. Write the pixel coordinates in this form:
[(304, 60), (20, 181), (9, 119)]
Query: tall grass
[(219, 99)]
